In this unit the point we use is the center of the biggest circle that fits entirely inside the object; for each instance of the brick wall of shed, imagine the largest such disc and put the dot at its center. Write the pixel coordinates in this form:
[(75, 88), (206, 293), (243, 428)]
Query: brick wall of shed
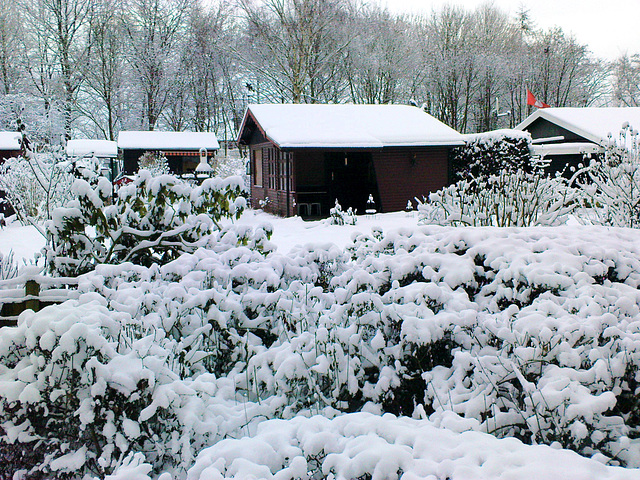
[(406, 173)]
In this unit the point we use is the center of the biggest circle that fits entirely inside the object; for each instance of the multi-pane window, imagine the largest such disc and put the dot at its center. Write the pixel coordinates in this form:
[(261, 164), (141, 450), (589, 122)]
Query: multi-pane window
[(278, 168)]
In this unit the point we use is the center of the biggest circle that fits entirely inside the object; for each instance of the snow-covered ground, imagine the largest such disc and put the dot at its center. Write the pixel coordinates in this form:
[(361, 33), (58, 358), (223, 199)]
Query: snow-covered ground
[(590, 284), (25, 241), (291, 232)]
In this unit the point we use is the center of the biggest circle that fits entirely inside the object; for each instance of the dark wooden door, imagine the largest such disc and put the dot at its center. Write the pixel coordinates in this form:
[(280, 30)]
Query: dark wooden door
[(351, 179)]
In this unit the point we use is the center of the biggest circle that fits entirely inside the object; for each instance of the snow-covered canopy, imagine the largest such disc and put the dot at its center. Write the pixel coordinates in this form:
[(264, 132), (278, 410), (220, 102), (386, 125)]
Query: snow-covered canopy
[(167, 140), (349, 126), (87, 148), (10, 140), (593, 123)]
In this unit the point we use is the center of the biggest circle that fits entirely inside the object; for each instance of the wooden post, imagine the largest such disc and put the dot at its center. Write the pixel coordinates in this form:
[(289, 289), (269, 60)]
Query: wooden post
[(31, 287)]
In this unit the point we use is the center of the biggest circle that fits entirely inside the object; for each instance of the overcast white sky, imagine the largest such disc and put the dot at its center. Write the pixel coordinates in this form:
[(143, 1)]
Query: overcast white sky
[(609, 27)]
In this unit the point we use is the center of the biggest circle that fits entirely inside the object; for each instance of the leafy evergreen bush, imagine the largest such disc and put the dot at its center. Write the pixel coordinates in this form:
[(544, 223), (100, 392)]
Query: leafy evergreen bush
[(152, 220)]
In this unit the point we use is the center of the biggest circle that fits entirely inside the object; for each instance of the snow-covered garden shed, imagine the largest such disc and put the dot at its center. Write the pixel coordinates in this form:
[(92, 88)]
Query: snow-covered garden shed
[(10, 145), (565, 135), (305, 156), (182, 149)]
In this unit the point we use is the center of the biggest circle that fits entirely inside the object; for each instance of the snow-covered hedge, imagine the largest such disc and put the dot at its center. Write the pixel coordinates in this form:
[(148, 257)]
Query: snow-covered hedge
[(491, 153), (528, 333)]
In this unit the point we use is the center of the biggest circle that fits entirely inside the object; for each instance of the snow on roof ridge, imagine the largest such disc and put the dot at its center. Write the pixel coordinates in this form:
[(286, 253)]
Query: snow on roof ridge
[(350, 126), (141, 139), (84, 147), (10, 140)]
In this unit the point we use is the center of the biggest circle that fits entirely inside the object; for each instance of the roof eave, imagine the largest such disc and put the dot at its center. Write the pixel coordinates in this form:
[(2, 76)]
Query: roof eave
[(545, 115), (249, 114), (369, 146)]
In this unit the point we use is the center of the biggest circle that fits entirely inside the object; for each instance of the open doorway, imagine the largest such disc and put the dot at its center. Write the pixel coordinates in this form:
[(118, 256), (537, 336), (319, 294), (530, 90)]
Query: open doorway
[(351, 178)]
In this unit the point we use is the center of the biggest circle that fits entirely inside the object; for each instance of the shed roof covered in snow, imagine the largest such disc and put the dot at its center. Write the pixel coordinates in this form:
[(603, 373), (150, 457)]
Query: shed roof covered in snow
[(591, 123), (144, 140), (89, 148), (347, 126), (10, 140)]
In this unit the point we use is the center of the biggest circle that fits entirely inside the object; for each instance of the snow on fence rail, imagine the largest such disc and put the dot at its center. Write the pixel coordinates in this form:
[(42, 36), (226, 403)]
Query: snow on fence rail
[(32, 290)]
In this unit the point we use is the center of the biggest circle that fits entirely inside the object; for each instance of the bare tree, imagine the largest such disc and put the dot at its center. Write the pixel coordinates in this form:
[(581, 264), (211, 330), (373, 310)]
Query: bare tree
[(199, 89), (562, 66), (106, 69), (60, 28), (10, 39), (380, 61), (494, 34), (626, 70), (155, 29), (453, 71), (295, 44)]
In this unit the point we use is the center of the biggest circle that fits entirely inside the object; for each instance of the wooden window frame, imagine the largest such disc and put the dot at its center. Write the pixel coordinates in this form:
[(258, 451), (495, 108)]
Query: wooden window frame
[(258, 180)]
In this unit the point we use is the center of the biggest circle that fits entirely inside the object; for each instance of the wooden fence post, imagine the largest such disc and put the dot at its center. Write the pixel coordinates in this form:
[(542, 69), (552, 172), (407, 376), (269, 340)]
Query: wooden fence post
[(31, 287)]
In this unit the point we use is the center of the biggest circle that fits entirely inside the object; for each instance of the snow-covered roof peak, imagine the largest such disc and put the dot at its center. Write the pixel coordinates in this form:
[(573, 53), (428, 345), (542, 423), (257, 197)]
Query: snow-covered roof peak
[(592, 123), (86, 148), (167, 140), (10, 140), (350, 126)]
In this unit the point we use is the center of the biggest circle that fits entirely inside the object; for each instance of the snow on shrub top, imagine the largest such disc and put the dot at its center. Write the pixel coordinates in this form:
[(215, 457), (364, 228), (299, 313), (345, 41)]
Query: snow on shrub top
[(383, 447), (496, 136)]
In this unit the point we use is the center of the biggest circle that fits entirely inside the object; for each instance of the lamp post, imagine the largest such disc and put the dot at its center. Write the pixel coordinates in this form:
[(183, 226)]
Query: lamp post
[(203, 170)]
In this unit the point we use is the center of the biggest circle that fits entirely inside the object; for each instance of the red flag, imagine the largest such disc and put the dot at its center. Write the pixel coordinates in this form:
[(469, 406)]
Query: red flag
[(531, 100)]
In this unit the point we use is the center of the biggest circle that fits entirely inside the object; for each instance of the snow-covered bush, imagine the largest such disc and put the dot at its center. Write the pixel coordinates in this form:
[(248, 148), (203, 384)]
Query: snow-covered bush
[(337, 216), (37, 184), (152, 220), (234, 164), (83, 388), (528, 333), (85, 385), (612, 185), (366, 446), (8, 266), (156, 163), (499, 184), (73, 396), (492, 153), (508, 199)]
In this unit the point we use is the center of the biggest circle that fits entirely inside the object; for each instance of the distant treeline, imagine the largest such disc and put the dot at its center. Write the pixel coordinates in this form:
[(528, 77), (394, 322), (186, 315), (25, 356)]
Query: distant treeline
[(94, 67)]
